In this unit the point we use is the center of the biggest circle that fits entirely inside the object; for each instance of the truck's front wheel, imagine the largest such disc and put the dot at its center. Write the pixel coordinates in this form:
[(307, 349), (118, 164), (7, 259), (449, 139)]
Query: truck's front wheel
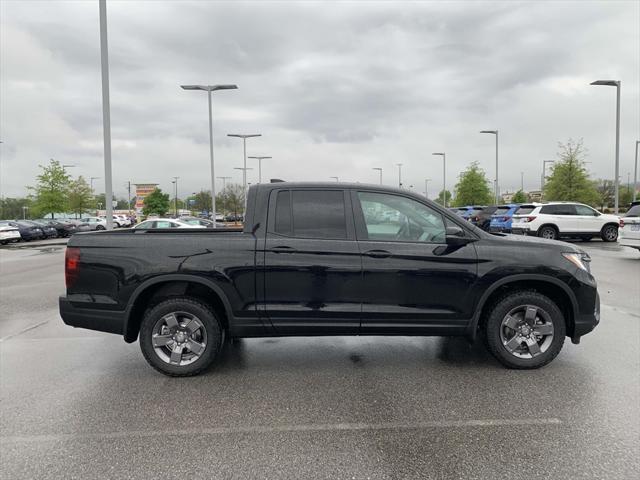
[(180, 337), (525, 329)]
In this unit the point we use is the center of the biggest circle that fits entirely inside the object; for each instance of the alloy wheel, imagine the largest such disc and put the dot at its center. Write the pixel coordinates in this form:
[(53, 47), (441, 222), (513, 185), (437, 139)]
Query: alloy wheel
[(526, 331), (610, 233), (179, 338)]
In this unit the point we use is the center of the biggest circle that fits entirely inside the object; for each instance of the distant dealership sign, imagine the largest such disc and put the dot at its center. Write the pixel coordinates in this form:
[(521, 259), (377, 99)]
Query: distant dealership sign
[(142, 190)]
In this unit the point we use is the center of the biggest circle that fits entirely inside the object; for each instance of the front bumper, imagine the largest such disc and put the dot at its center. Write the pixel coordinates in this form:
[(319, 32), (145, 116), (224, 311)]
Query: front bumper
[(110, 321)]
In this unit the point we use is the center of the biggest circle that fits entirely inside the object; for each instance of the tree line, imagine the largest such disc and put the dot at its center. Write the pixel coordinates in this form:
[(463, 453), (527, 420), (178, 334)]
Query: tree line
[(569, 181)]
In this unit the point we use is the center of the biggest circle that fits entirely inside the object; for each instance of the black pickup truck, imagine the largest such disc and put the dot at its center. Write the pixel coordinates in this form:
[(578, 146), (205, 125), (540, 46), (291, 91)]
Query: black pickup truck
[(329, 259)]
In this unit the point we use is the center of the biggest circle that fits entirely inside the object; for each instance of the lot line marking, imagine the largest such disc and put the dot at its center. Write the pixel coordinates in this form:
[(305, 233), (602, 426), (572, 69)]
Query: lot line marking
[(24, 330), (332, 427)]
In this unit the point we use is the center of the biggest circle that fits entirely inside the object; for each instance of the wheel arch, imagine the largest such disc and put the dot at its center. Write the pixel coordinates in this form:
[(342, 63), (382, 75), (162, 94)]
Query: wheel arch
[(157, 289), (548, 224), (556, 290)]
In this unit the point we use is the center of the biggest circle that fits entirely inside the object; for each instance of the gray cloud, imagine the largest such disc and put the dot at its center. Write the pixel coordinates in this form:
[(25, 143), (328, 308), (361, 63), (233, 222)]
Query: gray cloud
[(335, 88)]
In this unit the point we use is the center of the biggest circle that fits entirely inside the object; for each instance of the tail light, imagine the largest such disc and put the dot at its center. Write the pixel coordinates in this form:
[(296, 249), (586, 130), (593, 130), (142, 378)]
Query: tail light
[(530, 219), (71, 265), (621, 223), (505, 219)]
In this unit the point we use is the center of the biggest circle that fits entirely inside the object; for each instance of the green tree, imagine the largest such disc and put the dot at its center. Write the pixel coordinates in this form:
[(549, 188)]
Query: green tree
[(569, 180), (122, 204), (519, 197), (441, 196), (199, 201), (50, 195), (626, 195), (231, 199), (80, 197), (11, 208), (606, 191), (472, 187), (156, 202)]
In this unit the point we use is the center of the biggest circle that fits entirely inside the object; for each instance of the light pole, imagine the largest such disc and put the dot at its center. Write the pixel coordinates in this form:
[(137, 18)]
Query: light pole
[(522, 182), (426, 187), (91, 181), (106, 113), (244, 177), (244, 165), (175, 183), (635, 173), (64, 167), (260, 167), (399, 175), (224, 187), (24, 210), (209, 89), (379, 170), (444, 177), (497, 188), (617, 84), (335, 178), (544, 171)]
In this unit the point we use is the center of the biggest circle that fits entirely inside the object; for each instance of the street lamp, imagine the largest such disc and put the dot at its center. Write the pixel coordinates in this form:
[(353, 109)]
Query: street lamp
[(91, 181), (106, 113), (522, 182), (175, 183), (399, 175), (635, 173), (65, 166), (379, 170), (209, 89), (444, 177), (224, 199), (24, 210), (497, 189), (260, 166), (335, 178), (426, 187), (617, 84), (544, 171), (244, 145)]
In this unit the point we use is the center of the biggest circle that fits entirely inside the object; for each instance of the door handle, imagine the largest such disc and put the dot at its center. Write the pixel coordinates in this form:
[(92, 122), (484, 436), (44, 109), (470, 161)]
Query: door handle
[(283, 249), (377, 253)]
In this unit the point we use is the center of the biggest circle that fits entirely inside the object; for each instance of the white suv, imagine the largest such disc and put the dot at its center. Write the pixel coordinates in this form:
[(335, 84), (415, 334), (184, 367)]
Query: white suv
[(565, 219)]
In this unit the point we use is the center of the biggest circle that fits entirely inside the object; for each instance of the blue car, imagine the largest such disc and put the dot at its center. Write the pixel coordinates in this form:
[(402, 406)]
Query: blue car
[(502, 218)]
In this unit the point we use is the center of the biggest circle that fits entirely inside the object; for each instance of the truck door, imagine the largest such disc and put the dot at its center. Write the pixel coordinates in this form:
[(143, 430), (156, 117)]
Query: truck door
[(312, 267), (412, 281)]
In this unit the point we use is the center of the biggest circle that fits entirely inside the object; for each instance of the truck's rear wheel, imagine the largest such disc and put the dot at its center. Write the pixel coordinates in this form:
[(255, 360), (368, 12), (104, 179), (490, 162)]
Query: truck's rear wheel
[(525, 330), (180, 337)]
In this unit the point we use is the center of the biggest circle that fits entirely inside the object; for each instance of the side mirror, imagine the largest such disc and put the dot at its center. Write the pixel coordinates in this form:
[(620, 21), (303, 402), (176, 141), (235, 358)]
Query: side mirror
[(455, 237)]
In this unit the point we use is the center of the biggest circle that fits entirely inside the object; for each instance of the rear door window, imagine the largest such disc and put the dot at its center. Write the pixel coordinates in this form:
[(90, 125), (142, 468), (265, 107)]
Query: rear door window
[(311, 214)]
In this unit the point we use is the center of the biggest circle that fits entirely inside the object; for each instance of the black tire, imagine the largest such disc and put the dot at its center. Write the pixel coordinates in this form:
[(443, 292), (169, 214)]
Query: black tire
[(609, 233), (546, 312), (548, 232), (100, 227), (181, 306)]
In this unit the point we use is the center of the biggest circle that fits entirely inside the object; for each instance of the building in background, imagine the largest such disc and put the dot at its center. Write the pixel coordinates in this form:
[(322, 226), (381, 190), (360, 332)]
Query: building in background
[(142, 190)]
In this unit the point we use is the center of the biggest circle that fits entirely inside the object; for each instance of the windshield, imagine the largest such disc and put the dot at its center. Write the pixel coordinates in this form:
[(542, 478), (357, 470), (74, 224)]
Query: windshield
[(502, 210), (525, 209)]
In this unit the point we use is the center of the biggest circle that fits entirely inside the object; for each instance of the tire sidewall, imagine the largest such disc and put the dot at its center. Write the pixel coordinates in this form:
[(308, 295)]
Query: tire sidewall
[(504, 306), (194, 307)]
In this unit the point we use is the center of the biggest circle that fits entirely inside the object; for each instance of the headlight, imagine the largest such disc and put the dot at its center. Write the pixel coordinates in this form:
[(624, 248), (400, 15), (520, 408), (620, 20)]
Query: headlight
[(580, 260)]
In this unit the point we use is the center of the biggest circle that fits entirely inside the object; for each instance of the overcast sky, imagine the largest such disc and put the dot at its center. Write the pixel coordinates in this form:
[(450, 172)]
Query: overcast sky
[(334, 88)]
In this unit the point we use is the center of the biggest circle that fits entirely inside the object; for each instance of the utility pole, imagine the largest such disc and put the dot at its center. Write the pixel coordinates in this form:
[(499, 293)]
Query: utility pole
[(106, 113), (224, 198)]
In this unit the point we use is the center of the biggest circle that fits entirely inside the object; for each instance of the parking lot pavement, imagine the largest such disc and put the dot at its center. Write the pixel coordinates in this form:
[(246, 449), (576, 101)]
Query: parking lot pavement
[(80, 404)]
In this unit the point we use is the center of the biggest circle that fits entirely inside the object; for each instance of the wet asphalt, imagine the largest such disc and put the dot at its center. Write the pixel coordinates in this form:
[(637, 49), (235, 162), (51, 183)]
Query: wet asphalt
[(82, 404)]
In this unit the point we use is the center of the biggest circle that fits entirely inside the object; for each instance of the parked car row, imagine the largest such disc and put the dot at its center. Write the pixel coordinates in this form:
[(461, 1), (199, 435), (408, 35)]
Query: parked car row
[(555, 220), (43, 228)]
